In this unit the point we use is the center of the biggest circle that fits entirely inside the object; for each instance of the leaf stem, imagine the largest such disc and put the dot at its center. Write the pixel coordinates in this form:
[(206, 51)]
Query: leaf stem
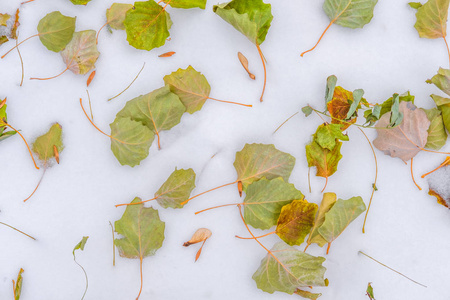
[(98, 32), (28, 147), (423, 149), (412, 175), (224, 185), (265, 71), (48, 78), (214, 207), (252, 238), (142, 277), (18, 230), (448, 50), (135, 203), (285, 122), (139, 73), (17, 45), (85, 275), (231, 102), (39, 183), (446, 162), (392, 269), (114, 244), (21, 63)]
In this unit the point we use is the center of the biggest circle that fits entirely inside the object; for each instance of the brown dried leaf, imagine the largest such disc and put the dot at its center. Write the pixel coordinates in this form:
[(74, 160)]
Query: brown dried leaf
[(201, 235), (244, 62), (404, 140)]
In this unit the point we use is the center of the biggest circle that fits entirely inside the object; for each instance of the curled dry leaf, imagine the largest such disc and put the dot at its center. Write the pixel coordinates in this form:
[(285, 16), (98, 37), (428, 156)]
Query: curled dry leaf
[(88, 82), (201, 235), (244, 62)]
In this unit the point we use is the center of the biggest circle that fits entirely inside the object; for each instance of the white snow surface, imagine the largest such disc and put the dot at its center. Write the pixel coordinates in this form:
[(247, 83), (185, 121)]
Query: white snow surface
[(406, 228)]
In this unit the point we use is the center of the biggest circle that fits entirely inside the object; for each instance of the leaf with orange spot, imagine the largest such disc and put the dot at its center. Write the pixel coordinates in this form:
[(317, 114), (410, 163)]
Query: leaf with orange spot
[(339, 107)]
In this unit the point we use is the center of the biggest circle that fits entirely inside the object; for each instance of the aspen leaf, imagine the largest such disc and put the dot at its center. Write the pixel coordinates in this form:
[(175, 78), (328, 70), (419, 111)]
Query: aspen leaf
[(176, 189), (390, 105), (250, 17), (115, 15), (339, 107), (396, 141), (415, 5), (324, 160), (307, 110), (43, 145), (147, 25), (441, 80), (264, 200), (285, 269), (340, 215), (81, 53), (4, 119), (295, 221), (17, 285), (329, 90), (328, 200), (186, 3), (80, 2), (56, 30), (350, 13), (437, 137), (438, 185), (142, 233), (3, 19), (327, 135), (256, 161), (443, 104), (307, 295), (432, 19), (190, 86)]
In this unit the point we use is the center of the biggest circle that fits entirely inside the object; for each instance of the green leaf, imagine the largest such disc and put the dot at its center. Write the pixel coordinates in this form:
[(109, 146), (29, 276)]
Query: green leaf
[(357, 97), (158, 110), (142, 231), (340, 216), (350, 13), (3, 19), (443, 105), (329, 90), (437, 137), (250, 17), (307, 110), (264, 200), (295, 221), (80, 2), (56, 30), (415, 5), (327, 135), (131, 141), (80, 245), (308, 295), (176, 189), (328, 200), (3, 39), (441, 80), (387, 106), (369, 292), (256, 161), (286, 268), (115, 15), (4, 119), (187, 3), (147, 25), (324, 160), (190, 86), (432, 19), (43, 146), (18, 285), (81, 53)]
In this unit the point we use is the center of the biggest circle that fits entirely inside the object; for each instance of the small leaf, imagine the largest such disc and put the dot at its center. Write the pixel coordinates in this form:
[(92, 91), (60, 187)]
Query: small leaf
[(43, 145), (325, 161), (186, 3), (201, 235), (295, 221), (396, 141), (415, 5), (244, 63), (3, 19), (443, 104), (432, 19), (329, 90), (190, 86), (17, 286), (256, 161), (328, 200), (285, 269), (339, 106), (307, 295), (437, 137), (4, 119), (251, 18), (307, 110), (441, 80), (357, 97), (373, 115), (340, 216), (115, 15), (327, 135), (438, 185), (80, 245), (167, 54), (147, 25), (176, 189), (80, 2), (81, 53), (369, 290), (264, 200), (350, 13), (56, 30)]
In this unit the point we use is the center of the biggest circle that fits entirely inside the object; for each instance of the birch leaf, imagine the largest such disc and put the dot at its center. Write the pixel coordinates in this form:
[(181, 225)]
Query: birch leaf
[(131, 141), (443, 104), (250, 17), (432, 19), (176, 189), (256, 161), (264, 200), (147, 25), (285, 269), (441, 80), (340, 216), (437, 137), (186, 3), (115, 15), (43, 146), (190, 86), (295, 221), (18, 285), (396, 141), (56, 30), (350, 13), (328, 200), (81, 53)]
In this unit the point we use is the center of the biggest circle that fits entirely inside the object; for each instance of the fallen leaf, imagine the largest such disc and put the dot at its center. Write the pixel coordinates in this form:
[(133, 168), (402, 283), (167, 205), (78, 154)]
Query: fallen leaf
[(285, 269), (308, 295), (396, 141), (438, 185), (327, 135), (80, 2), (115, 15), (176, 189), (186, 3), (390, 105), (3, 19), (325, 161), (17, 285), (432, 19), (328, 200), (4, 119), (56, 31), (44, 145), (167, 54), (15, 26), (244, 63), (443, 104), (437, 136), (415, 5), (81, 53), (201, 235), (339, 106), (80, 246), (369, 292)]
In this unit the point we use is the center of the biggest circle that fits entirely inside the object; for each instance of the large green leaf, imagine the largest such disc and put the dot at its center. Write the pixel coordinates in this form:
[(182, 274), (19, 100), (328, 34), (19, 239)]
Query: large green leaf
[(115, 15), (131, 141), (437, 137), (432, 19), (350, 13), (264, 200), (325, 161), (328, 200), (147, 25), (251, 17), (176, 189), (44, 145), (441, 80), (443, 105), (340, 216), (56, 30), (287, 268), (191, 86), (187, 3), (256, 161), (81, 53), (295, 221)]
